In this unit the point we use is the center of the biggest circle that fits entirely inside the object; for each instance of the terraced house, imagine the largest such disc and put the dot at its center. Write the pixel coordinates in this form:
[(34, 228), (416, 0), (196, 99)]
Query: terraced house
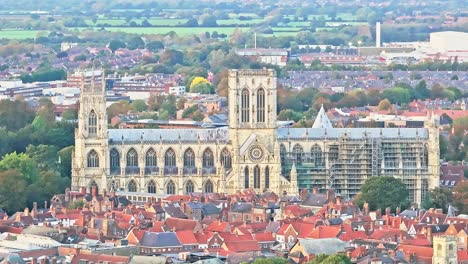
[(251, 152)]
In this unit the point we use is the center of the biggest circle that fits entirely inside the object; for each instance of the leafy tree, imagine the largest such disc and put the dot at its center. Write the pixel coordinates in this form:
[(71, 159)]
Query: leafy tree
[(12, 191), (437, 91), (155, 45), (45, 156), (135, 43), (397, 95), (188, 112), (270, 261), (385, 104), (209, 21), (439, 198), (116, 44), (383, 192), (70, 114), (65, 161), (330, 259), (172, 57), (181, 103), (203, 88), (138, 106), (22, 163), (49, 183), (145, 23), (15, 114), (115, 109), (78, 204), (460, 197), (288, 114), (46, 110), (421, 90), (169, 105), (192, 22), (81, 57)]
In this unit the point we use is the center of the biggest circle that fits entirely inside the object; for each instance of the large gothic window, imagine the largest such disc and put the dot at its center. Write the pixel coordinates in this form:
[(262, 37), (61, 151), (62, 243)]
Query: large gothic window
[(189, 187), (170, 187), (132, 186), (257, 177), (151, 158), (316, 156), (132, 158), (92, 123), (208, 160), (189, 158), (114, 161), (93, 159), (170, 158), (151, 187), (209, 187), (267, 177), (226, 160), (245, 106), (246, 177), (261, 105), (298, 153)]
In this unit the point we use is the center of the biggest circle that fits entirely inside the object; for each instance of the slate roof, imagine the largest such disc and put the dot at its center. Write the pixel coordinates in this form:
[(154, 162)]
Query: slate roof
[(160, 240), (354, 133), (210, 209), (323, 246), (241, 207)]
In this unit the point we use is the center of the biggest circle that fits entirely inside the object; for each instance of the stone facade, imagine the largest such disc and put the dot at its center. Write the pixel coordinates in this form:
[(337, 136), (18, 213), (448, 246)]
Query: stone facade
[(250, 153)]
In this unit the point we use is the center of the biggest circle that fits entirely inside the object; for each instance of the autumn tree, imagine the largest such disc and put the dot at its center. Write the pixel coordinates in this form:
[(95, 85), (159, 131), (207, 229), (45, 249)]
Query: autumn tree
[(460, 197), (385, 104)]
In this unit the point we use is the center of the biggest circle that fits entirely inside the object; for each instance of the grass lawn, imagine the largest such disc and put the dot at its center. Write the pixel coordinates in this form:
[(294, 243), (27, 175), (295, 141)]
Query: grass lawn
[(153, 21), (235, 21), (21, 34)]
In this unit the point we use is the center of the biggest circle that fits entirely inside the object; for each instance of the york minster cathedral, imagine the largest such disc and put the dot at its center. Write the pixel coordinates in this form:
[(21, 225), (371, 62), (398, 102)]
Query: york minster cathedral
[(252, 152)]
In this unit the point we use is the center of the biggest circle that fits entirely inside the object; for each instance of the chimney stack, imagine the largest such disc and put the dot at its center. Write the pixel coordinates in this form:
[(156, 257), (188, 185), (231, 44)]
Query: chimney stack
[(93, 191), (366, 208), (67, 195), (315, 190), (83, 190), (45, 205)]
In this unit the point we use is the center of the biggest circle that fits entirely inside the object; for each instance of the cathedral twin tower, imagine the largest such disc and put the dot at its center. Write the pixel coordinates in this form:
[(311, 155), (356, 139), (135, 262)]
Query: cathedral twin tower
[(250, 153), (177, 161)]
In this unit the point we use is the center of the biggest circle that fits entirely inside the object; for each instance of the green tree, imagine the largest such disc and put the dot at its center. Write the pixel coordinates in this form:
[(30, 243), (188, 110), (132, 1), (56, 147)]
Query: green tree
[(421, 90), (48, 184), (270, 261), (44, 156), (46, 110), (383, 192), (440, 198), (437, 91), (65, 161), (155, 45), (385, 105), (15, 114), (138, 106), (330, 259), (135, 42), (397, 95), (70, 114), (12, 191), (116, 44), (22, 163), (288, 114)]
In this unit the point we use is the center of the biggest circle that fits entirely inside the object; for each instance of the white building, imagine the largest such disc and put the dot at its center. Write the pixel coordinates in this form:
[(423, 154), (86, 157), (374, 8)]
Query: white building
[(449, 41)]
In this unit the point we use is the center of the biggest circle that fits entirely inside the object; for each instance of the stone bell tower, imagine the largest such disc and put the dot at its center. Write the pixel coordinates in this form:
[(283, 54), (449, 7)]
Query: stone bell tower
[(90, 161), (252, 129)]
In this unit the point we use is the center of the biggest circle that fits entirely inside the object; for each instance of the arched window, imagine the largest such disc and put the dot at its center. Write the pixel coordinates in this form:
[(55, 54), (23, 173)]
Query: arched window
[(245, 105), (208, 160), (170, 158), (132, 158), (226, 160), (93, 159), (246, 177), (316, 156), (170, 187), (267, 177), (208, 187), (425, 157), (333, 153), (298, 153), (114, 159), (151, 158), (92, 123), (151, 187), (261, 105), (257, 177), (189, 187), (132, 186), (189, 158)]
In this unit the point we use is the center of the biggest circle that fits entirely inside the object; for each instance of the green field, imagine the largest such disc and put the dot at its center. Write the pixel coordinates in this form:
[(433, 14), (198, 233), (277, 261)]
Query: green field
[(153, 21), (21, 34), (235, 21)]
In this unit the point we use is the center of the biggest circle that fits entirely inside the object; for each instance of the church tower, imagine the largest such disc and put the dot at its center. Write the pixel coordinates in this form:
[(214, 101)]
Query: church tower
[(252, 130), (90, 162), (445, 250)]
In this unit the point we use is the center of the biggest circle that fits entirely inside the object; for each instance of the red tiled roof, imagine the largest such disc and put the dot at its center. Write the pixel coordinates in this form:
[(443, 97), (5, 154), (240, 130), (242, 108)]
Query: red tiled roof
[(422, 253), (382, 234), (324, 232), (157, 226), (227, 237), (218, 226), (462, 256), (202, 238), (359, 252), (178, 224), (242, 246), (264, 237), (283, 229), (303, 228), (186, 237), (10, 229)]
